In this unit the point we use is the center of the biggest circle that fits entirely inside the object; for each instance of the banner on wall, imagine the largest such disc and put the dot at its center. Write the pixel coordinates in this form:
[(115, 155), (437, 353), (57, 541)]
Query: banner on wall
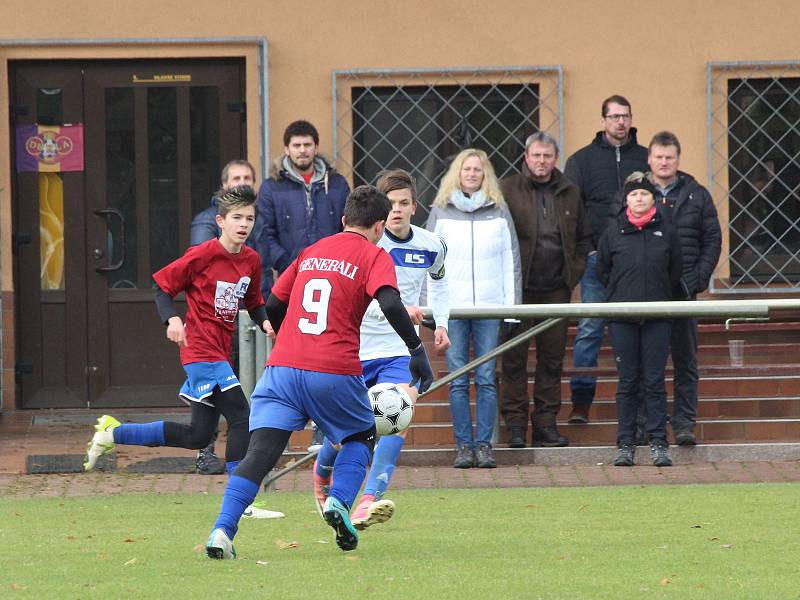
[(49, 148)]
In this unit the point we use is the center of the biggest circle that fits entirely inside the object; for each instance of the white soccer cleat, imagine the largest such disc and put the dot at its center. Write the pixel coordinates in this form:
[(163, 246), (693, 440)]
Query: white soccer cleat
[(220, 546), (102, 441), (371, 512), (257, 511)]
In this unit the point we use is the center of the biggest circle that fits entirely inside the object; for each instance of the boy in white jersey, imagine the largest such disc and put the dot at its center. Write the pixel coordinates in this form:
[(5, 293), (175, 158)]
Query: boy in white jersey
[(418, 255)]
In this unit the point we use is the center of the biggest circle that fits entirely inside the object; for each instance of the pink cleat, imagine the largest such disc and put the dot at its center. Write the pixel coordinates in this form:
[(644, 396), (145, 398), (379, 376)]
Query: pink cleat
[(371, 512)]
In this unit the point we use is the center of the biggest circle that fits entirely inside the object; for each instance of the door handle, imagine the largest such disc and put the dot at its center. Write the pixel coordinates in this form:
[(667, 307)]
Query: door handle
[(105, 213)]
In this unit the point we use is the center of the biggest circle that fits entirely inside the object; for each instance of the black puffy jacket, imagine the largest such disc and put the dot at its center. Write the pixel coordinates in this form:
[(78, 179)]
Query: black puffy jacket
[(599, 170), (689, 208), (640, 265)]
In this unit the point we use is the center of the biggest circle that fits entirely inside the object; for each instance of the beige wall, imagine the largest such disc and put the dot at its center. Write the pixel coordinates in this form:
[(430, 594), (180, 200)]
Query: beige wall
[(654, 53)]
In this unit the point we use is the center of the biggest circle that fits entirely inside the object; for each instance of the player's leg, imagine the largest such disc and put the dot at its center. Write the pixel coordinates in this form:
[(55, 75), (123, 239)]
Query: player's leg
[(265, 448), (234, 407), (339, 405), (109, 432), (373, 508), (322, 473), (274, 414)]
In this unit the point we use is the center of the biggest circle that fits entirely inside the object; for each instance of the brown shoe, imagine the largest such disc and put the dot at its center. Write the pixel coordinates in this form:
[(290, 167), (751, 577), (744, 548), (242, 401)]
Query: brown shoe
[(579, 414)]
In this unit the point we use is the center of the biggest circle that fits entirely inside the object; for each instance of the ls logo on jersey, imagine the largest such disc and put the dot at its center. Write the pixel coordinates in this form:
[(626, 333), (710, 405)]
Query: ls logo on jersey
[(227, 296), (415, 259)]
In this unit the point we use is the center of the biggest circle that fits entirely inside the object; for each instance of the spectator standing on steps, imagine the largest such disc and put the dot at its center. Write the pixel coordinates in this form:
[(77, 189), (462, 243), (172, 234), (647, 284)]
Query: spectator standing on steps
[(554, 237), (482, 265), (639, 260), (688, 206), (599, 170)]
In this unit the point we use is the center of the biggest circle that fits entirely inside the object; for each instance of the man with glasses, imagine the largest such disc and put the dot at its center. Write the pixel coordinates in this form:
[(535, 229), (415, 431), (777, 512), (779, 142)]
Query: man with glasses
[(599, 170)]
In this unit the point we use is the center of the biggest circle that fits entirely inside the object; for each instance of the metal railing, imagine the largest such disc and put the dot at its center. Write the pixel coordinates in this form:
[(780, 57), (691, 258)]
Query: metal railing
[(731, 310)]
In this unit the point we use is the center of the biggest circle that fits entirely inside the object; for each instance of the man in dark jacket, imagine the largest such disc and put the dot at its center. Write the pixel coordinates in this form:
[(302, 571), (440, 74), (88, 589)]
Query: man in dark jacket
[(554, 239), (204, 224), (303, 198), (599, 170), (688, 206)]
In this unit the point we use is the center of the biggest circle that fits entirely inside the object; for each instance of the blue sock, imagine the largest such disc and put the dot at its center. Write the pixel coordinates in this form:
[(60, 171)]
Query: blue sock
[(140, 434), (325, 459), (231, 465), (349, 471), (239, 494), (387, 451)]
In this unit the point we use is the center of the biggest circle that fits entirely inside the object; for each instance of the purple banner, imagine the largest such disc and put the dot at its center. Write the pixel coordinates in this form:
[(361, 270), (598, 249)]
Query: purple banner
[(50, 149)]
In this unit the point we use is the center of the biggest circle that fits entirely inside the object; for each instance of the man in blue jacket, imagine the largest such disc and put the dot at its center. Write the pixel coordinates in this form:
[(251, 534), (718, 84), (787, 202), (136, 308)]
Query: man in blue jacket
[(302, 200)]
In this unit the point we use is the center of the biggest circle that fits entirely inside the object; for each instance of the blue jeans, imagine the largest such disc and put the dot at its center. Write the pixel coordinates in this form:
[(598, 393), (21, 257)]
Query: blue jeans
[(484, 334), (589, 336)]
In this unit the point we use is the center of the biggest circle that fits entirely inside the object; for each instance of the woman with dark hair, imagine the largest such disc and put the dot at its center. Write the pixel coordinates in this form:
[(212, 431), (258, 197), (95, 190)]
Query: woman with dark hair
[(639, 260)]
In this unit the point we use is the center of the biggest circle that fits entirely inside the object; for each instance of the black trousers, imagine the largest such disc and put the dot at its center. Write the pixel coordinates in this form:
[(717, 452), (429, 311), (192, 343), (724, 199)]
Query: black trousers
[(640, 352), (551, 345), (205, 420), (683, 343)]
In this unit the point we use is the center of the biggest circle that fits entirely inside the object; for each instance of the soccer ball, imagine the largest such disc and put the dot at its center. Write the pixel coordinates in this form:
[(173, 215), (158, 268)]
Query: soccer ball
[(392, 408)]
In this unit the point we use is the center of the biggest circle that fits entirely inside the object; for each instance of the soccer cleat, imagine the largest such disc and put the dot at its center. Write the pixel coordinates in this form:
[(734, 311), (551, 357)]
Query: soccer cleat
[(220, 546), (371, 512), (322, 489), (316, 439), (338, 517), (257, 511), (102, 441)]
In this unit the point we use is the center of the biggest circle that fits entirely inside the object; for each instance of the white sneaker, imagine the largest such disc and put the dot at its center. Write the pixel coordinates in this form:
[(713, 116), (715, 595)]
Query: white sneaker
[(102, 441), (257, 511), (220, 546)]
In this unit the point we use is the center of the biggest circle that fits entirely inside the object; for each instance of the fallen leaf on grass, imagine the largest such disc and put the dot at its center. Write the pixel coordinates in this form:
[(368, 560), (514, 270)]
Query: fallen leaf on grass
[(696, 527), (713, 539), (18, 587), (262, 562), (583, 507), (727, 546), (199, 548), (351, 558), (285, 545), (130, 562), (665, 581), (323, 542), (128, 541)]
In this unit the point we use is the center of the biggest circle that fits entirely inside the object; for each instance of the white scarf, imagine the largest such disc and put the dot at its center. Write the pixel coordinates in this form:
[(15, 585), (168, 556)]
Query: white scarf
[(469, 203)]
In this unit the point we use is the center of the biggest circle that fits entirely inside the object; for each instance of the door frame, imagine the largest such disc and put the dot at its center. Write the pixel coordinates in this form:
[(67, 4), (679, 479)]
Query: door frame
[(252, 49)]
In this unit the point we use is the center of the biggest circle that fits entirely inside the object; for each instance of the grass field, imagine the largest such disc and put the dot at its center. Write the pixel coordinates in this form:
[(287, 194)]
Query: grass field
[(721, 542)]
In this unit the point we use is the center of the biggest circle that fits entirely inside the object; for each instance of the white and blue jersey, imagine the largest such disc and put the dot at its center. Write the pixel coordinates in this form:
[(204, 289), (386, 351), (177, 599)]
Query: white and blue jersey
[(416, 259)]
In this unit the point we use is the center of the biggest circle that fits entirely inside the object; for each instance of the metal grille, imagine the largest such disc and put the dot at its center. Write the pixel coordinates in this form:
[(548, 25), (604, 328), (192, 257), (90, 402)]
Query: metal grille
[(419, 119), (754, 174)]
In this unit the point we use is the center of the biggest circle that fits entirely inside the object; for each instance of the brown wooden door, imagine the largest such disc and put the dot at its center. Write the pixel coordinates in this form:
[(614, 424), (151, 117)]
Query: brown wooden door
[(157, 134)]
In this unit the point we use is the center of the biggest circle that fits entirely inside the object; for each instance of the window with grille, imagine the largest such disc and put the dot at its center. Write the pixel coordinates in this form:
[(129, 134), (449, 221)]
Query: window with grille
[(754, 124), (419, 121)]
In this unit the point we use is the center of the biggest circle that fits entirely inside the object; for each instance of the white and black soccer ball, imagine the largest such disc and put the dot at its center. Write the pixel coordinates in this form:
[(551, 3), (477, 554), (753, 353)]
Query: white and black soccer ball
[(392, 408)]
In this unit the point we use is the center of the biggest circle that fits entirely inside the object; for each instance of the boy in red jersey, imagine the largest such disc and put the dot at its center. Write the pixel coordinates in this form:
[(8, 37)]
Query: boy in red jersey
[(215, 276), (314, 371)]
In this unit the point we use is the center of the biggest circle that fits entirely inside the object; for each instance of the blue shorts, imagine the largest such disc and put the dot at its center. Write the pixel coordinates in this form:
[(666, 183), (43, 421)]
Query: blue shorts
[(202, 377), (386, 370), (286, 398)]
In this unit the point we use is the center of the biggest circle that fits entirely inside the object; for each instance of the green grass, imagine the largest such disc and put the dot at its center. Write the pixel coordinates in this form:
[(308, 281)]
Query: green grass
[(721, 542)]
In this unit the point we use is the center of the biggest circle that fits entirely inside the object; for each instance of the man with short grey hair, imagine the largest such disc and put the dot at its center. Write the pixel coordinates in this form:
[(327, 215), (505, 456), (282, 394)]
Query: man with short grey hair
[(555, 237)]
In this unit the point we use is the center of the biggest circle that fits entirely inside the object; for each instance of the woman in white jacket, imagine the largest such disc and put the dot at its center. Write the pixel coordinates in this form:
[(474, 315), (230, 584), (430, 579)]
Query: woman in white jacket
[(483, 269)]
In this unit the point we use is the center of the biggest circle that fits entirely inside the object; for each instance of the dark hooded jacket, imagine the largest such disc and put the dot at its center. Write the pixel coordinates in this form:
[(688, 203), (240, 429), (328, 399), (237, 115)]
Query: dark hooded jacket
[(640, 265), (599, 170), (296, 214), (689, 208)]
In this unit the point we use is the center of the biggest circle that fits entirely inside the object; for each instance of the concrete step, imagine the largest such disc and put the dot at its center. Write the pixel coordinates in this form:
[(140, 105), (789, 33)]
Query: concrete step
[(603, 454)]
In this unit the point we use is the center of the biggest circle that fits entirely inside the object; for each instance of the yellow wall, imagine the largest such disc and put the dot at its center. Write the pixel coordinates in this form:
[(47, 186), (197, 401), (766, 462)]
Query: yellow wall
[(654, 53)]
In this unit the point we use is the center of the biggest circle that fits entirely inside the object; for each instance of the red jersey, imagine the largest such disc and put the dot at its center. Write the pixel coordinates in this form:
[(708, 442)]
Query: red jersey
[(214, 281), (328, 288)]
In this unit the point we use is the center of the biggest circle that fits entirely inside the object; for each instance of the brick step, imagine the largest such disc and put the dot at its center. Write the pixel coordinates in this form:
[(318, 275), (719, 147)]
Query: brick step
[(727, 383), (427, 412)]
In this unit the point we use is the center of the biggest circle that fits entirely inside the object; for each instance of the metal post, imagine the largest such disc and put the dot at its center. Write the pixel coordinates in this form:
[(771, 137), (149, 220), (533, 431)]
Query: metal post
[(247, 376)]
